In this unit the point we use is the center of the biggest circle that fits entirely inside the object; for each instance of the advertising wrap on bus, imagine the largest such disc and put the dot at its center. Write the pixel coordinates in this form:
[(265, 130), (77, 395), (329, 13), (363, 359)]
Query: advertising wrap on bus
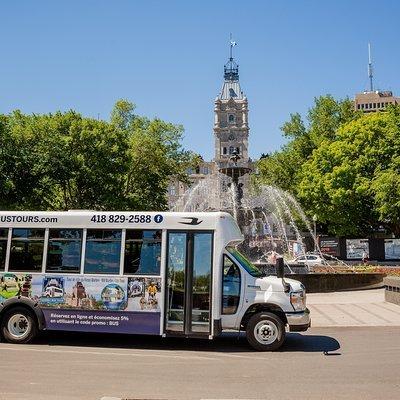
[(86, 303), (153, 273)]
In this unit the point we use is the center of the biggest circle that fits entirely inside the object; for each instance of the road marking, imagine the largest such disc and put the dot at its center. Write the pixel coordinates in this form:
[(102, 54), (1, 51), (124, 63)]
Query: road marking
[(143, 353), (102, 353), (111, 398), (244, 357)]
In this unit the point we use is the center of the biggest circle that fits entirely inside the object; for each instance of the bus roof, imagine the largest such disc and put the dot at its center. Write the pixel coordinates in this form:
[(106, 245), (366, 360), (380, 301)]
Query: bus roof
[(123, 220)]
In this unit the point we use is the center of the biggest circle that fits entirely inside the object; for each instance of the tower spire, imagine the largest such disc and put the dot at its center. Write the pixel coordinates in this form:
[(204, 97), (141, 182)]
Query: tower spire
[(231, 69), (370, 71)]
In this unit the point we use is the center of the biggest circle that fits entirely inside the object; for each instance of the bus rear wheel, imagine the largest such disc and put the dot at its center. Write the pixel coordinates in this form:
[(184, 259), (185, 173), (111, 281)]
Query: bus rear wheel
[(19, 325), (265, 331)]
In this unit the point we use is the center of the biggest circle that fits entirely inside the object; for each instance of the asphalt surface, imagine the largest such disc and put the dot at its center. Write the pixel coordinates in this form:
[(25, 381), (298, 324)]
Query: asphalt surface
[(323, 363)]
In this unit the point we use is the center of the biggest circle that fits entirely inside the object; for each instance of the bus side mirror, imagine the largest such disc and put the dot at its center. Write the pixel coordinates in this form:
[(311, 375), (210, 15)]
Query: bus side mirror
[(280, 267)]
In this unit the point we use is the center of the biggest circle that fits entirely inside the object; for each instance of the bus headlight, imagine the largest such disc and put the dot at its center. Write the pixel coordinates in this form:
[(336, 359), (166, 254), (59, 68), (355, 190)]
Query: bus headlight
[(298, 300)]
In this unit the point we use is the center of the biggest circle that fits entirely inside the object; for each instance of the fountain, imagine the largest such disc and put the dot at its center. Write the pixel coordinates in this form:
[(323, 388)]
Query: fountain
[(267, 217), (273, 223)]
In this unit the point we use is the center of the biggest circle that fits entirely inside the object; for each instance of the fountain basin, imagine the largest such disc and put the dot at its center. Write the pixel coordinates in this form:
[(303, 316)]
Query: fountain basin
[(322, 282), (331, 282)]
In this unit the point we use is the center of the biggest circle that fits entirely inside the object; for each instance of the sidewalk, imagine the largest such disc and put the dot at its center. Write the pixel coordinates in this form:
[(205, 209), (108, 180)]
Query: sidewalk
[(355, 308)]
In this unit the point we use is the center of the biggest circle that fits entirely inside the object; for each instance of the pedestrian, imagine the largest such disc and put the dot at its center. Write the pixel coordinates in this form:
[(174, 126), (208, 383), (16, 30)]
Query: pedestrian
[(364, 257)]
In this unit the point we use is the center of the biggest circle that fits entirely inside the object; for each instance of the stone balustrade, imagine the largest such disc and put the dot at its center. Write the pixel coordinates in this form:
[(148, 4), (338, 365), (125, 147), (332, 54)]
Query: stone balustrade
[(392, 289)]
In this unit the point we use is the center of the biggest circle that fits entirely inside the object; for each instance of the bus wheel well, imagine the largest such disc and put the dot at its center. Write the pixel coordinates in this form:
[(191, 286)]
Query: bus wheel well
[(255, 308), (29, 305)]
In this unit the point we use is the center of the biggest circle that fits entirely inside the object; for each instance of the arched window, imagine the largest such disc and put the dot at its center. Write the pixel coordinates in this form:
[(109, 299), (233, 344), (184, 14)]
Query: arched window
[(231, 118)]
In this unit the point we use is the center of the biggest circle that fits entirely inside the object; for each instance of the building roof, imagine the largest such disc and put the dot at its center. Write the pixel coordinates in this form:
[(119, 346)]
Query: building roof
[(375, 95), (231, 89)]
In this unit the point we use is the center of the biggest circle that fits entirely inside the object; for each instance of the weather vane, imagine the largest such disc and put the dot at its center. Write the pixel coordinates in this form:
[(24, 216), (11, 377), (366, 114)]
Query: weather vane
[(232, 45)]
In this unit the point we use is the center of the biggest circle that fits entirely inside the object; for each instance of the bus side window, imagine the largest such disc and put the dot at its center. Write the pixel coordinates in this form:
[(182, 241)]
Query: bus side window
[(103, 251), (26, 250), (3, 247), (230, 287), (142, 252), (64, 252)]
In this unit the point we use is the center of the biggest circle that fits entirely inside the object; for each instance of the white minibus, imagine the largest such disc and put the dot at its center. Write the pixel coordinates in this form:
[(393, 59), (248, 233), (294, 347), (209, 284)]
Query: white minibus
[(156, 273)]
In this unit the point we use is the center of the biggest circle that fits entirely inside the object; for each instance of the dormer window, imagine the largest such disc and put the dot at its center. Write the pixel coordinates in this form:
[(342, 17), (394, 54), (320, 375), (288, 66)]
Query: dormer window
[(231, 118)]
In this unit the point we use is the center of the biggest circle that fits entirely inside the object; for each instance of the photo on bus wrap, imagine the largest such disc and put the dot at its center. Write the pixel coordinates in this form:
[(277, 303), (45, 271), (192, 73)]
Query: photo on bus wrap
[(52, 291), (12, 285), (144, 294)]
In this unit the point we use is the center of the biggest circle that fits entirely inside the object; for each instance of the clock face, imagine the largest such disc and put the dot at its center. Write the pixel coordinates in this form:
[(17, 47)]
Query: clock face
[(231, 137)]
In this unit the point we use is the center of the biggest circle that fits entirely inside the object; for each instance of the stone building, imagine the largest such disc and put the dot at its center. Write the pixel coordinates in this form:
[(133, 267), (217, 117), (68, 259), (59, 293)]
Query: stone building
[(231, 133)]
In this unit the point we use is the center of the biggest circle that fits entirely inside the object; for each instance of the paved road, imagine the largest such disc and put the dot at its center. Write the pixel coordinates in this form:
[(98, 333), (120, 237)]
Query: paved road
[(358, 363), (355, 308)]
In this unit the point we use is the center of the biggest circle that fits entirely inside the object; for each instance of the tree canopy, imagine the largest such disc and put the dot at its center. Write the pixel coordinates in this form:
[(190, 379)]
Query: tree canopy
[(343, 166), (64, 161)]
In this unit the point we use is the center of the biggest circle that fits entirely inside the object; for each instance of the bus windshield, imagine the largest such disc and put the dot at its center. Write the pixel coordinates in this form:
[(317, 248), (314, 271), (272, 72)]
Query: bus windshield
[(245, 263)]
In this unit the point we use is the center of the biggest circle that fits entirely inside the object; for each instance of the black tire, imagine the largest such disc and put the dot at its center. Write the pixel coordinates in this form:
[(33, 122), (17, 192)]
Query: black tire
[(19, 325), (271, 331)]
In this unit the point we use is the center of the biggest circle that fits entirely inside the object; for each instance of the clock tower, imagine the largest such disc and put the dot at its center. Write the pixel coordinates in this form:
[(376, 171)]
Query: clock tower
[(231, 128)]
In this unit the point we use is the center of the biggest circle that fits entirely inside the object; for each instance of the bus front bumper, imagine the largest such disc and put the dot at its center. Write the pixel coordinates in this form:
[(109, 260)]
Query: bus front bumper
[(299, 321)]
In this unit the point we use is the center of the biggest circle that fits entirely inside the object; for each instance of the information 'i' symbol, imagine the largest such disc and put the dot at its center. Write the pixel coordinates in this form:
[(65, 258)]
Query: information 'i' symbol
[(158, 218)]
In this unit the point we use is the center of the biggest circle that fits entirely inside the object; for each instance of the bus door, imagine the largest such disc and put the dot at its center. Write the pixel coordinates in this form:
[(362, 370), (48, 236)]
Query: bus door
[(189, 274)]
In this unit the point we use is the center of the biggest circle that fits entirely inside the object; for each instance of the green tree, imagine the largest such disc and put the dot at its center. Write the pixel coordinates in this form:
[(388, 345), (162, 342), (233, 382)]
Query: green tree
[(122, 114), (156, 157), (282, 168), (342, 165), (386, 187), (63, 160), (348, 182)]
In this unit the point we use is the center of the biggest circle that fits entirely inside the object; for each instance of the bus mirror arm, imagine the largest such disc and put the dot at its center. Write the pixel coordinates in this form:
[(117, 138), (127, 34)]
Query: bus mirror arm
[(280, 273)]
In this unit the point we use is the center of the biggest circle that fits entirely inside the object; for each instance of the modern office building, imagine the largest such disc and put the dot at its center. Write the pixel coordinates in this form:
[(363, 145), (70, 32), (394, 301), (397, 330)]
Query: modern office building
[(374, 101)]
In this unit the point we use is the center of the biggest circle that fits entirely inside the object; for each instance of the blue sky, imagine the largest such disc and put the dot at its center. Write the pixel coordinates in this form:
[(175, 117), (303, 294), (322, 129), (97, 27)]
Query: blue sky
[(168, 57)]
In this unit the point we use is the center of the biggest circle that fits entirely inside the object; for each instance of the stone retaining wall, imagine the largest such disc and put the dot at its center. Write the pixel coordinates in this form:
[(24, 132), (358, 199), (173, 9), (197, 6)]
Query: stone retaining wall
[(392, 289)]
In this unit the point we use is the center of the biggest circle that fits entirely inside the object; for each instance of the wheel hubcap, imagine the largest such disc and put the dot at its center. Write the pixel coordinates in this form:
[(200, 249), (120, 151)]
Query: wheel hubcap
[(18, 326), (266, 332)]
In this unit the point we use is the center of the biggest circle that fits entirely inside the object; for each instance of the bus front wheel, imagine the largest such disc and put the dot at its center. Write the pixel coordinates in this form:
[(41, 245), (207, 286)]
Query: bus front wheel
[(265, 331), (19, 325)]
